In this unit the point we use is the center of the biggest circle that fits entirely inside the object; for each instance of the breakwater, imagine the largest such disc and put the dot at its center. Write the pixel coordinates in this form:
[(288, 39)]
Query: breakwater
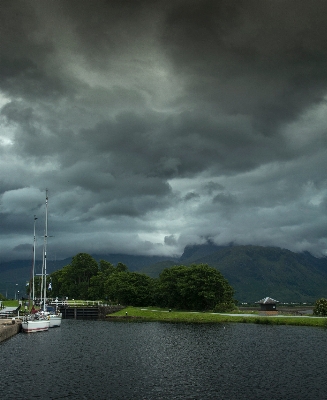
[(8, 329)]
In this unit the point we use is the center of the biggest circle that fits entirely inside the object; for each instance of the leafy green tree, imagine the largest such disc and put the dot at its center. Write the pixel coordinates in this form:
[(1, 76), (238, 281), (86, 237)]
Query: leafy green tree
[(106, 267), (37, 287), (197, 287), (73, 280), (320, 307), (167, 293), (120, 267), (84, 278), (63, 283), (129, 288), (83, 267), (96, 289), (57, 283)]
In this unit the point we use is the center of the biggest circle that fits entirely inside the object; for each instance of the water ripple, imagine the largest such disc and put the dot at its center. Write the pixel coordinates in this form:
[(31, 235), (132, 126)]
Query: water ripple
[(106, 360)]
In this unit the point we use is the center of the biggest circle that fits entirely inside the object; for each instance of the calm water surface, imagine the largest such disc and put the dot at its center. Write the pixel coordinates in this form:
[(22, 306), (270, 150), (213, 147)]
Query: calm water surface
[(116, 360)]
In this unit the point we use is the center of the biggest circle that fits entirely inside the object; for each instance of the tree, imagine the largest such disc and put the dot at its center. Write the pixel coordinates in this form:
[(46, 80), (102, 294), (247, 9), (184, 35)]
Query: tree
[(320, 307), (167, 292), (83, 267), (96, 289), (63, 283), (84, 278), (120, 267), (129, 288), (74, 279), (197, 287), (106, 267)]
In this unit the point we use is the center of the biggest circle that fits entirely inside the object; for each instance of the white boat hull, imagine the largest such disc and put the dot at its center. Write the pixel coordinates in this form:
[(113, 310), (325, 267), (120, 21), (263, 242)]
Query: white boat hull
[(35, 326), (55, 320)]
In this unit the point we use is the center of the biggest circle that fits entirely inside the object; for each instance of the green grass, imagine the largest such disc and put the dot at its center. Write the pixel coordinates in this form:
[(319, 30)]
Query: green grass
[(74, 303), (10, 303), (157, 314)]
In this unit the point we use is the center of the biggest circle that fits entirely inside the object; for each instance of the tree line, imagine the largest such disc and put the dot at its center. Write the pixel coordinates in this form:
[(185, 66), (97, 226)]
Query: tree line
[(195, 287)]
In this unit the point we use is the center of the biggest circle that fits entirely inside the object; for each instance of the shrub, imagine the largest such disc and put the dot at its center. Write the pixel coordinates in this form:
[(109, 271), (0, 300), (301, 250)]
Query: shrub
[(320, 307), (224, 307)]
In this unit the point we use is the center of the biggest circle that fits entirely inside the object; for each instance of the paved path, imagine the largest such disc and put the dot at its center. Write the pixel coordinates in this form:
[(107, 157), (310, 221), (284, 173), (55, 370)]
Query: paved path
[(270, 316), (244, 315)]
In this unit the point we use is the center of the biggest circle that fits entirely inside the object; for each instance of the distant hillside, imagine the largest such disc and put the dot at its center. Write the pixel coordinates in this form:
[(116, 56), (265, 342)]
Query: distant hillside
[(253, 271), (256, 272), (195, 252), (134, 263), (154, 270), (15, 274)]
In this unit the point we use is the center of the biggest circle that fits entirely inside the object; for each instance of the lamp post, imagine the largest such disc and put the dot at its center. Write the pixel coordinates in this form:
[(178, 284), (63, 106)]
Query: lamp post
[(16, 291)]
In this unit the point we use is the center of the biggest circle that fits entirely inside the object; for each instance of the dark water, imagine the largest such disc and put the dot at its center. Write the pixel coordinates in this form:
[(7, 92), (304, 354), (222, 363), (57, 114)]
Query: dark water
[(115, 360)]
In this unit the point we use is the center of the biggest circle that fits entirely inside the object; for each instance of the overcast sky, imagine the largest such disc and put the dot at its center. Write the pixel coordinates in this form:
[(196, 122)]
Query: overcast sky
[(158, 124)]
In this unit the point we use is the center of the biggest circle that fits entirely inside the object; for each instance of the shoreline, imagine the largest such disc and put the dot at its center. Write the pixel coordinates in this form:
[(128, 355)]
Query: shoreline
[(9, 329), (161, 315)]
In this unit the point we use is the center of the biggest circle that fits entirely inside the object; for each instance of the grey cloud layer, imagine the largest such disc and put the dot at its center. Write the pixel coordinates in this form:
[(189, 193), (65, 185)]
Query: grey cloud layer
[(158, 125)]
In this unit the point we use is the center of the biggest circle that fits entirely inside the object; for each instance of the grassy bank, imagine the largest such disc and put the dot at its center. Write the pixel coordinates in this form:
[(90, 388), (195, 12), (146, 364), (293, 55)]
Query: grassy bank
[(156, 314), (10, 303)]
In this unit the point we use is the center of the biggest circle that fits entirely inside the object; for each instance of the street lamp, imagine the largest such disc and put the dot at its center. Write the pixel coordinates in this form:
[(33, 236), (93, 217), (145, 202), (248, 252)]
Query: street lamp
[(16, 291)]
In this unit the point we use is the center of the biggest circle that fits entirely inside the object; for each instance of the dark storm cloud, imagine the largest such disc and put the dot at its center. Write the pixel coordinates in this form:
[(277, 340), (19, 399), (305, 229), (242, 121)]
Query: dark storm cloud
[(159, 124), (24, 53), (191, 196), (170, 240), (103, 29), (264, 59), (179, 145)]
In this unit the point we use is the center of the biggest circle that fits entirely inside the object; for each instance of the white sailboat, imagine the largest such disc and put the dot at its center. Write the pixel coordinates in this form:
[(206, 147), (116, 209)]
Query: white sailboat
[(39, 321), (52, 313), (35, 323)]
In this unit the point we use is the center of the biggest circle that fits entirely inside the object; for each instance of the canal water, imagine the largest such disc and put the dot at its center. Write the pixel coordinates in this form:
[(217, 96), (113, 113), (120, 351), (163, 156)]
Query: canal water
[(117, 360)]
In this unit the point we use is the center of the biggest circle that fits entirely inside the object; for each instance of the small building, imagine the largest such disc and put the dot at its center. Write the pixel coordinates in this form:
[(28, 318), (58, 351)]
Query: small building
[(267, 304)]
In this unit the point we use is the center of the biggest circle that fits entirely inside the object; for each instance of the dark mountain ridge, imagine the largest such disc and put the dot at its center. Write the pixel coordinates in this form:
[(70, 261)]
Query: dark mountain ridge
[(256, 272), (253, 271), (15, 274)]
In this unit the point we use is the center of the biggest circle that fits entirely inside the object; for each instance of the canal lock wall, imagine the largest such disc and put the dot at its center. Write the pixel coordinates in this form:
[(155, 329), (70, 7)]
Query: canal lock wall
[(9, 329), (89, 312)]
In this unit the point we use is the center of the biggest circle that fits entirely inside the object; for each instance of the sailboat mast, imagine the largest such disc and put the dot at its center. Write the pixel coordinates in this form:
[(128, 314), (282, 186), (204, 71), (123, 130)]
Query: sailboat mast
[(33, 267), (45, 251), (42, 274)]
